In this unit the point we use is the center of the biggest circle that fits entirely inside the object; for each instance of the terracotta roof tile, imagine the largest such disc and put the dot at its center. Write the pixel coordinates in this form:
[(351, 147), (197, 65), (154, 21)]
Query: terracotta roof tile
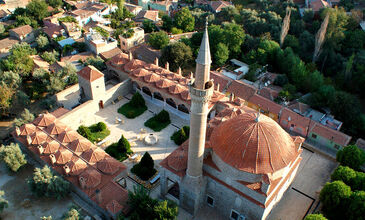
[(44, 120), (56, 128), (332, 135), (109, 165), (59, 112), (220, 79), (253, 145), (22, 30), (76, 166), (80, 145), (38, 137), (265, 104), (93, 155), (91, 177), (147, 14), (119, 59), (63, 156), (151, 78), (68, 136), (134, 64), (164, 83), (51, 147), (110, 53), (179, 158), (90, 73), (241, 89), (176, 89), (27, 129)]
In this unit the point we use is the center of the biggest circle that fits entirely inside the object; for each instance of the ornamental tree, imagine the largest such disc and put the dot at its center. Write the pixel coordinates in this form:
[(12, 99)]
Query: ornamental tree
[(12, 156), (344, 174), (158, 40), (356, 208)]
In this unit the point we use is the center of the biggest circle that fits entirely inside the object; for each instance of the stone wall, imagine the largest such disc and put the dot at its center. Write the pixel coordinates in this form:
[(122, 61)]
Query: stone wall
[(121, 89), (69, 97)]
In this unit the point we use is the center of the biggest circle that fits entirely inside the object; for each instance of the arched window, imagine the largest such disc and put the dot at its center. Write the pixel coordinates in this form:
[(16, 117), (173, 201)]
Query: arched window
[(171, 102), (147, 91), (158, 96), (183, 108)]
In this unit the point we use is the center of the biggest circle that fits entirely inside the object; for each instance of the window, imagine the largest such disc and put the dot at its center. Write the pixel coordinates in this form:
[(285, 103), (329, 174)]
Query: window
[(314, 136), (234, 215), (210, 201)]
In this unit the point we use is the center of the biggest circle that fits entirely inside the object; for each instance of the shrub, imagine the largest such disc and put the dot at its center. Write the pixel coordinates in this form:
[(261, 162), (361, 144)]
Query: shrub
[(72, 214), (159, 121), (3, 202), (25, 117), (145, 168), (315, 217), (12, 157), (351, 156), (45, 183), (134, 108), (345, 174), (181, 135), (68, 19), (137, 100), (120, 150), (84, 131), (95, 132), (101, 126)]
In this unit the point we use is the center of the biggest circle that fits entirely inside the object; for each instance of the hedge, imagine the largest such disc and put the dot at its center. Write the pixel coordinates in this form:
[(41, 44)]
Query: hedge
[(120, 150), (159, 121), (134, 108), (95, 132)]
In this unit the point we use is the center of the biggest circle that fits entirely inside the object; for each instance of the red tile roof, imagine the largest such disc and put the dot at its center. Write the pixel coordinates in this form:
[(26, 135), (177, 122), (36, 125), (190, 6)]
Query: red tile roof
[(22, 30), (254, 145), (316, 5), (44, 120), (90, 73), (147, 14), (265, 104), (59, 112), (56, 128), (27, 129), (241, 89), (77, 166), (218, 5), (110, 53), (332, 135), (220, 79)]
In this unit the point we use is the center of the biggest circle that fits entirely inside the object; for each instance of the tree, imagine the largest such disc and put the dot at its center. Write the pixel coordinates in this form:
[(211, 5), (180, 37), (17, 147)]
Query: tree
[(334, 197), (315, 217), (221, 55), (42, 42), (184, 20), (142, 205), (3, 202), (38, 9), (292, 42), (12, 156), (158, 40), (356, 208), (72, 214), (55, 3), (10, 78), (167, 23), (2, 28), (25, 117), (166, 210), (19, 60), (148, 26), (345, 174), (285, 26), (234, 36), (351, 156), (56, 84), (22, 98), (338, 20), (97, 62), (177, 54), (6, 95), (320, 37), (45, 183), (145, 168), (124, 145), (50, 57)]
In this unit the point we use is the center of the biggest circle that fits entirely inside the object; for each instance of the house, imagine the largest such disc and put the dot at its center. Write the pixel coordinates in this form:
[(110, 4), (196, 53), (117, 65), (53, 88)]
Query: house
[(165, 6), (317, 5), (134, 9), (54, 31), (240, 70), (241, 89), (146, 53), (23, 33), (110, 53), (90, 12), (5, 46), (39, 63), (266, 106), (151, 15), (72, 29), (75, 60), (217, 6), (4, 15), (295, 123), (136, 39), (98, 44)]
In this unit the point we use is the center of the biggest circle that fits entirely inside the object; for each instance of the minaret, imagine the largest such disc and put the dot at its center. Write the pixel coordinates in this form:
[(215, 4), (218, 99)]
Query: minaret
[(201, 90)]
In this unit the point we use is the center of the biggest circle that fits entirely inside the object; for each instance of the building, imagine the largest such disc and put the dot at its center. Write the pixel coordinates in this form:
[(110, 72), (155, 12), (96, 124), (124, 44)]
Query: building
[(151, 15), (5, 45), (240, 164), (99, 44), (134, 9), (89, 11), (217, 6), (136, 39), (317, 5), (23, 33), (72, 29)]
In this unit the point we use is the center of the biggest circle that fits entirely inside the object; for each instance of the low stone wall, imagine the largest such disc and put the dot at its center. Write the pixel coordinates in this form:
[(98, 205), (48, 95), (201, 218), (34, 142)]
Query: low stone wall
[(121, 89), (69, 97)]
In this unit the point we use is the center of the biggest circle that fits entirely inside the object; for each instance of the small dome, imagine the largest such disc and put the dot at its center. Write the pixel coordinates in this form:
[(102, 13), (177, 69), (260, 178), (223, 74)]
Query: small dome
[(63, 156), (176, 89), (164, 83), (109, 165), (77, 166), (80, 145), (44, 120), (94, 155), (51, 147), (150, 78), (27, 129), (38, 137), (140, 72), (56, 128), (113, 206), (67, 136), (178, 160), (254, 144), (134, 64), (185, 95), (91, 177)]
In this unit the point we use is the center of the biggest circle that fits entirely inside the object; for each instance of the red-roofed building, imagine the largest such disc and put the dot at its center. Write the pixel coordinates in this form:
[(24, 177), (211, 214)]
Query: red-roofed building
[(266, 106), (23, 33), (241, 89), (91, 82), (317, 5)]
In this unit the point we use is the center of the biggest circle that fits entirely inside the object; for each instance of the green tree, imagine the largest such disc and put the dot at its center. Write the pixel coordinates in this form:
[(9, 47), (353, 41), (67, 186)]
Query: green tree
[(19, 60), (56, 84), (38, 9), (315, 217), (356, 208), (3, 202), (166, 210), (351, 156), (338, 20), (158, 40), (2, 28), (345, 174), (145, 168), (6, 95), (42, 42), (142, 205), (234, 36), (148, 26), (167, 23), (292, 42), (12, 156), (177, 54), (45, 183), (25, 117), (221, 55), (334, 197), (97, 62), (10, 78), (184, 20), (50, 57), (55, 3), (72, 214)]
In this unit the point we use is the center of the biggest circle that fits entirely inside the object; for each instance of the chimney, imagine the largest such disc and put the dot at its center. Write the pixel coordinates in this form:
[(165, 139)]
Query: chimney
[(99, 198), (167, 66), (66, 169), (29, 140), (17, 131), (82, 182), (179, 71), (156, 61), (52, 158), (40, 149), (218, 87), (130, 56), (231, 98)]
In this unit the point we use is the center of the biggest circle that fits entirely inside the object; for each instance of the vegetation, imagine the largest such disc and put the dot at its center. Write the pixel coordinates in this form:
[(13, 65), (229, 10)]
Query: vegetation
[(315, 217), (12, 156), (158, 40), (184, 20), (42, 42), (144, 207), (148, 26), (134, 108), (159, 121), (181, 135), (352, 178), (67, 19), (97, 62), (120, 150), (3, 202), (50, 57), (177, 55), (351, 156), (95, 132), (102, 31), (45, 183), (145, 169), (72, 214)]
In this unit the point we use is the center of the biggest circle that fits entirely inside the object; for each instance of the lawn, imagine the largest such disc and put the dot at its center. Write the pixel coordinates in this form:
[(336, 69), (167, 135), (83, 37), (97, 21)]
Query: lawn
[(159, 121), (134, 108), (95, 132)]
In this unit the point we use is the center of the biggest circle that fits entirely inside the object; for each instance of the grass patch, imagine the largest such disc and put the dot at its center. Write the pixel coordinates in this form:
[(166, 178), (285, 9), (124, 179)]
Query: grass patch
[(159, 121), (181, 135), (95, 132), (120, 150), (134, 108)]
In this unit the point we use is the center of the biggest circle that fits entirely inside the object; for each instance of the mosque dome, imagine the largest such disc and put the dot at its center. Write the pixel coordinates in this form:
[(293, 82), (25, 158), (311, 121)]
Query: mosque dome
[(253, 143)]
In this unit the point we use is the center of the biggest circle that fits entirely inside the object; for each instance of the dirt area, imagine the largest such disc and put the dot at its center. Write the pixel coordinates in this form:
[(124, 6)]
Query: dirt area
[(17, 191)]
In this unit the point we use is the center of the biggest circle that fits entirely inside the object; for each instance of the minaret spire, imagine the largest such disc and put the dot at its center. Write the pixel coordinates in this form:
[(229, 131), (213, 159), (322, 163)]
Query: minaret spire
[(204, 51)]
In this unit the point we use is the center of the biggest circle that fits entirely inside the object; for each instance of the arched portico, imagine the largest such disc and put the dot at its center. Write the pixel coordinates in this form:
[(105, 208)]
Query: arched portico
[(146, 91), (183, 108), (171, 102), (158, 96)]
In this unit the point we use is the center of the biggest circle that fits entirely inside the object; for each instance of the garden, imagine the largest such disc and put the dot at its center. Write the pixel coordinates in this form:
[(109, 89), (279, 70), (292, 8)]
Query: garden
[(181, 135), (120, 150), (95, 132), (159, 121), (144, 171), (134, 108)]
